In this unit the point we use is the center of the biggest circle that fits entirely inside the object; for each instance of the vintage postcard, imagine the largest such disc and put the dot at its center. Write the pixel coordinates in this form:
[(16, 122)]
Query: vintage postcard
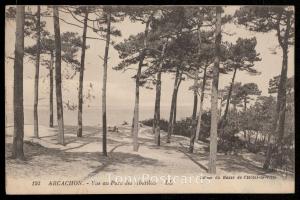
[(149, 99)]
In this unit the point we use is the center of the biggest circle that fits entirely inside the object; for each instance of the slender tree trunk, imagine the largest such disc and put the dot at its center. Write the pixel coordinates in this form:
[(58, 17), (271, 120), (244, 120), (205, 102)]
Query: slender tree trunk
[(132, 124), (172, 109), (223, 121), (228, 99), (175, 107), (269, 153), (156, 121), (37, 74), (195, 105), (137, 90), (59, 102), (51, 89), (17, 150), (245, 104), (80, 89), (197, 131), (194, 117), (136, 105), (104, 84), (201, 104), (214, 97)]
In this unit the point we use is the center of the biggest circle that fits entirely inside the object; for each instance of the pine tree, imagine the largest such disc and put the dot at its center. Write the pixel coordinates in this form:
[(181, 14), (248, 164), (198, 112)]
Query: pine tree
[(242, 56), (59, 101), (37, 68), (80, 89), (281, 20), (17, 151), (108, 21), (214, 96)]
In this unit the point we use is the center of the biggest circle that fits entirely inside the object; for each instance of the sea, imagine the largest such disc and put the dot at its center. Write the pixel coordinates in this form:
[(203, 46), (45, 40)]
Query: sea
[(92, 116)]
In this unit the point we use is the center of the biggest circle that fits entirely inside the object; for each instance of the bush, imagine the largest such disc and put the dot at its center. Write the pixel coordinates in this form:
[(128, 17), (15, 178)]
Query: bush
[(226, 143), (162, 123), (230, 143), (183, 126)]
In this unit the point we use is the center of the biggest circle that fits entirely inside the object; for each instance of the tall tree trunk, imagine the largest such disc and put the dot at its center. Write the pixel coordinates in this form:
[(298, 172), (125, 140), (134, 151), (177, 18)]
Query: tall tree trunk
[(137, 90), (172, 109), (214, 97), (51, 89), (223, 120), (59, 102), (194, 116), (37, 74), (245, 104), (198, 126), (136, 105), (175, 106), (156, 121), (268, 153), (80, 89), (228, 99), (104, 84), (195, 105), (201, 104), (278, 126), (17, 150)]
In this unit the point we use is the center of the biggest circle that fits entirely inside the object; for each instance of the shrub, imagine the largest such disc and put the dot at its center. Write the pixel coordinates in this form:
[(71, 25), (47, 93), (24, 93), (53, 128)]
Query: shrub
[(183, 126)]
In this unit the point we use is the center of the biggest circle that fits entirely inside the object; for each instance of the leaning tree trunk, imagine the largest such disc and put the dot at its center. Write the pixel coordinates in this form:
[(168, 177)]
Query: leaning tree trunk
[(37, 73), (51, 89), (156, 121), (223, 120), (80, 89), (196, 130), (175, 106), (194, 117), (104, 146), (59, 102), (201, 104), (172, 109), (214, 97), (17, 150), (137, 90), (278, 125)]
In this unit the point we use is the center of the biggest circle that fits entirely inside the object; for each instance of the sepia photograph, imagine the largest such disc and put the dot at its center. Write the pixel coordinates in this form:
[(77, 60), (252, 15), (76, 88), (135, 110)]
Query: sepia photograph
[(131, 99)]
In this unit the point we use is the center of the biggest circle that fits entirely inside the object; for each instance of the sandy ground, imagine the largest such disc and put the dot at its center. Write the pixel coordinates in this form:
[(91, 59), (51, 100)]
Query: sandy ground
[(80, 158)]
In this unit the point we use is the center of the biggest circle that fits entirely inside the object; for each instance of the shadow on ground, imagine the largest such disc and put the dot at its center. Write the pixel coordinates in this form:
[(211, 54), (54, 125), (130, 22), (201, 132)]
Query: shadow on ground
[(43, 161)]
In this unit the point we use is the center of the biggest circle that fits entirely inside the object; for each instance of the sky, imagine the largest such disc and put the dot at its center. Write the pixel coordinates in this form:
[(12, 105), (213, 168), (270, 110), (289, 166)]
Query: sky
[(120, 85)]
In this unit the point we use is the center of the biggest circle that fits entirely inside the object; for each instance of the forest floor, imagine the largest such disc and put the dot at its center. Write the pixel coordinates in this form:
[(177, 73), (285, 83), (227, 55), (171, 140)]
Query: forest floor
[(81, 158)]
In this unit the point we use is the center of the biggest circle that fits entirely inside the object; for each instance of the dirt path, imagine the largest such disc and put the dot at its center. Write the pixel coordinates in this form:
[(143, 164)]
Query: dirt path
[(81, 159)]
